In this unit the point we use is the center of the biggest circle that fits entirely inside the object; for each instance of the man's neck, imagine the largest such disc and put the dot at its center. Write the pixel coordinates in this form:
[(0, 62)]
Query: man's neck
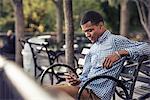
[(103, 29)]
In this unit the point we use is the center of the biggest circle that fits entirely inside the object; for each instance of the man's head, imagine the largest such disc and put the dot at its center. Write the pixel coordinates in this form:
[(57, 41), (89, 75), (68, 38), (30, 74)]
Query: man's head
[(93, 25), (9, 33)]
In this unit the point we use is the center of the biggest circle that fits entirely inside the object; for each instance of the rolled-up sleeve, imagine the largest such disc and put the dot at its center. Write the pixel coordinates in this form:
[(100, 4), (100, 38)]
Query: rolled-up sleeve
[(134, 48), (139, 49)]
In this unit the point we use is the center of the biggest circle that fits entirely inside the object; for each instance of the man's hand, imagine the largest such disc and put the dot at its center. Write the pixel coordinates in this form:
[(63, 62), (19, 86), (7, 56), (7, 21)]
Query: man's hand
[(72, 79), (109, 60)]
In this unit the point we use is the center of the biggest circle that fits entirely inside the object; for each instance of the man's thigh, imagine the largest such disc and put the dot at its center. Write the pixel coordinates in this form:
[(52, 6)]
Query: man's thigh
[(71, 90)]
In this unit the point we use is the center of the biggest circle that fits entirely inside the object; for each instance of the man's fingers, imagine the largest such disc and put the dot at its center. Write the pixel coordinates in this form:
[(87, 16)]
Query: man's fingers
[(105, 62), (109, 60), (73, 82), (108, 63), (70, 79)]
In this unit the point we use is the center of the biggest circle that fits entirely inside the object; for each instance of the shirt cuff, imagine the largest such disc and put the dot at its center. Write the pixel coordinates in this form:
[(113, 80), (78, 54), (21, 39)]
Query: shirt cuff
[(132, 53)]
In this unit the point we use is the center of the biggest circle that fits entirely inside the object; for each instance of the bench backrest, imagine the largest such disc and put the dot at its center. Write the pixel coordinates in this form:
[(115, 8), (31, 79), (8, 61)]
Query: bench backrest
[(129, 75), (39, 55)]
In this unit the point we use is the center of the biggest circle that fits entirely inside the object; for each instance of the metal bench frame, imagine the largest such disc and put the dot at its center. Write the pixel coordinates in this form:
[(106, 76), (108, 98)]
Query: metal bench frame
[(128, 77), (129, 71)]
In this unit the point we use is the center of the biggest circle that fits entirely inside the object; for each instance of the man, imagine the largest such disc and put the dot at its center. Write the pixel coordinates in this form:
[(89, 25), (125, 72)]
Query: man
[(106, 57), (9, 47)]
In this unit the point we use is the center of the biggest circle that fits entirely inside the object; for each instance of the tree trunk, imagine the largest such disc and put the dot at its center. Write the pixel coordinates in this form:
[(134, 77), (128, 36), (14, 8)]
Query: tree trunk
[(69, 36), (124, 18), (148, 19), (145, 21), (19, 28), (59, 22), (1, 10)]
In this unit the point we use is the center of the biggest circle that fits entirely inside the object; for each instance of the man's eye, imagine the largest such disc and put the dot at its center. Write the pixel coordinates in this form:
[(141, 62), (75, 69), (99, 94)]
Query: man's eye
[(90, 30)]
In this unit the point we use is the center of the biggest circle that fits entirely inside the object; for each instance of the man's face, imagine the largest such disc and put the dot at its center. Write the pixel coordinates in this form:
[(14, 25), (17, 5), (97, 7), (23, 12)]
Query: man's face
[(92, 32)]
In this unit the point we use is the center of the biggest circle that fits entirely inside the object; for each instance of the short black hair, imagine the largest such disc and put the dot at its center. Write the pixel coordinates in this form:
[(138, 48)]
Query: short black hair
[(92, 16)]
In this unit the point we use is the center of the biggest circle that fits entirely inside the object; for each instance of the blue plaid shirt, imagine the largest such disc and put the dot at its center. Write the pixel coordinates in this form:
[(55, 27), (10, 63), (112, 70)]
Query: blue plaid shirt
[(104, 46)]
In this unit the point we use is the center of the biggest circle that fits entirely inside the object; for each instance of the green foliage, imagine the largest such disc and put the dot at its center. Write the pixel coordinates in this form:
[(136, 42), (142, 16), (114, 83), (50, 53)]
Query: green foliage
[(36, 12), (39, 13), (114, 3), (80, 6), (6, 8), (6, 24), (7, 16), (134, 17), (110, 13), (111, 16)]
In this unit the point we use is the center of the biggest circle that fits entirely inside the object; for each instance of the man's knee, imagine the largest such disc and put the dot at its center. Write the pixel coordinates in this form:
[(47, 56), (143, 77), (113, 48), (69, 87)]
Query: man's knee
[(71, 90)]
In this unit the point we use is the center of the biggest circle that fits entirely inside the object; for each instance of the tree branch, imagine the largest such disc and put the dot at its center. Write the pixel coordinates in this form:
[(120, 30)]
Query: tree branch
[(145, 2), (141, 19)]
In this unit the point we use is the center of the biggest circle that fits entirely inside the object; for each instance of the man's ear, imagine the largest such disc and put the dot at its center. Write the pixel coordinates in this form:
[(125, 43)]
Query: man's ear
[(101, 23)]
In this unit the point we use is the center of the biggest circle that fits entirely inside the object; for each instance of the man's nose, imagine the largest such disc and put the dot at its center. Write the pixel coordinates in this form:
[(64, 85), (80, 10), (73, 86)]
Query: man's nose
[(87, 34)]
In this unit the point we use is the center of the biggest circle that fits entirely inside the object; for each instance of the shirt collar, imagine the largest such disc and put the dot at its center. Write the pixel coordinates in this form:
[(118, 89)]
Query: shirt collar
[(103, 37)]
